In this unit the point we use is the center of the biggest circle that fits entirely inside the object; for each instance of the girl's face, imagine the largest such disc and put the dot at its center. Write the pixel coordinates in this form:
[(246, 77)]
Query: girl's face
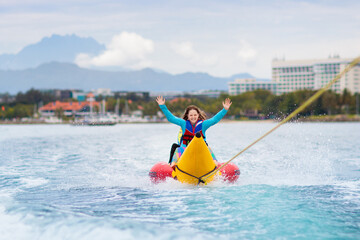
[(193, 116)]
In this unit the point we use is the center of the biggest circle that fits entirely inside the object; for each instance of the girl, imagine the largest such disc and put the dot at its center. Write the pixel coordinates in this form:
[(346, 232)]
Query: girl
[(193, 121)]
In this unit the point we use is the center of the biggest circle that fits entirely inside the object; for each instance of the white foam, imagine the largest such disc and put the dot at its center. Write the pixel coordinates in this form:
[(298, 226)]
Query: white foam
[(12, 226), (33, 182)]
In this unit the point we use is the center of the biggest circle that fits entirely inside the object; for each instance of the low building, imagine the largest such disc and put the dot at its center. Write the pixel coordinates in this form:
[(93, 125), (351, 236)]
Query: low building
[(240, 86), (65, 94), (132, 95), (206, 93), (105, 92), (70, 108), (7, 98), (79, 95)]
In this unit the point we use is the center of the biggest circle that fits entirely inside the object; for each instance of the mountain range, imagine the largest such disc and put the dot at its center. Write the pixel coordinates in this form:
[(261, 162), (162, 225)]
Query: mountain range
[(54, 48), (48, 64)]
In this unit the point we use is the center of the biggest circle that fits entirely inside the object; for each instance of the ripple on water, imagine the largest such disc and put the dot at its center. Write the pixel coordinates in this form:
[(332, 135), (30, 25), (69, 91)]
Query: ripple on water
[(63, 182)]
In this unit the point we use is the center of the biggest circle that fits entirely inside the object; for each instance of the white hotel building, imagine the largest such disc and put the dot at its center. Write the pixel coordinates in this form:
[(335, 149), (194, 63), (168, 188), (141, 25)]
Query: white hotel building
[(314, 74), (289, 76), (240, 86)]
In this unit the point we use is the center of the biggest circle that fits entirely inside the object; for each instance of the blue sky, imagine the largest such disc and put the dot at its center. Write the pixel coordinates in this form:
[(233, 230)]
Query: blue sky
[(218, 37)]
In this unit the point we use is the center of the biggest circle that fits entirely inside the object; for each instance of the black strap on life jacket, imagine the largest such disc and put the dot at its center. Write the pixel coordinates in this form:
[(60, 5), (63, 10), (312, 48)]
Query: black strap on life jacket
[(198, 178)]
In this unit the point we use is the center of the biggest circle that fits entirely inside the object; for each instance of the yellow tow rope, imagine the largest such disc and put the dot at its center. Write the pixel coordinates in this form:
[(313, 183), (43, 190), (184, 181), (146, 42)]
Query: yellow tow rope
[(298, 110)]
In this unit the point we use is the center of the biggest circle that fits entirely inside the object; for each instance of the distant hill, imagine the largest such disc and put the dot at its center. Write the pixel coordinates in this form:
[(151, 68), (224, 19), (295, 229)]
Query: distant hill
[(70, 76), (241, 75), (49, 64), (55, 48)]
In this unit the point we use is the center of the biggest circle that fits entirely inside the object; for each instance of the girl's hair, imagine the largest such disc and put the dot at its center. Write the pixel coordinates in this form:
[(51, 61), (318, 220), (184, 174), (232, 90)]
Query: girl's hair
[(202, 115)]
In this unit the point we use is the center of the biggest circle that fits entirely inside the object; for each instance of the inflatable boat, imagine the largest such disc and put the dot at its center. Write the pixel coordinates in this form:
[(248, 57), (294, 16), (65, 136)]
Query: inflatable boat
[(195, 164)]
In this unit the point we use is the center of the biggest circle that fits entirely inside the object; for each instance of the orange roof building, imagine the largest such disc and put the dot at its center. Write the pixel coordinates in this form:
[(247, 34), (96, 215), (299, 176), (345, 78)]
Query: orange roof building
[(180, 99), (69, 108), (90, 95)]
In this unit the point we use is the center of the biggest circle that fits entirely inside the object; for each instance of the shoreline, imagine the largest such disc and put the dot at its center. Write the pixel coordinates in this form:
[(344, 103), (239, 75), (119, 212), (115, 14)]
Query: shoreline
[(332, 118)]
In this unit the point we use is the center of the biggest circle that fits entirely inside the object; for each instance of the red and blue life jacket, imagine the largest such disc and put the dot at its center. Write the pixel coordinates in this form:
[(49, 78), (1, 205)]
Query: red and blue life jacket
[(190, 131)]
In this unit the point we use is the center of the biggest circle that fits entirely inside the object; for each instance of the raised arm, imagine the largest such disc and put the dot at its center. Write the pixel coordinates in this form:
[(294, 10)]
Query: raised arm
[(215, 119), (169, 116)]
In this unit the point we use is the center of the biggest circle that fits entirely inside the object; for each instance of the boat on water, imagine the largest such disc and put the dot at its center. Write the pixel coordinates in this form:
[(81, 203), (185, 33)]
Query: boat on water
[(195, 166), (94, 121)]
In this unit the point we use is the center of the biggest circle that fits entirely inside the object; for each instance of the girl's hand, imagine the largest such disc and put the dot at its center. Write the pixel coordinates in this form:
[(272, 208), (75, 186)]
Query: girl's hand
[(227, 103), (160, 100)]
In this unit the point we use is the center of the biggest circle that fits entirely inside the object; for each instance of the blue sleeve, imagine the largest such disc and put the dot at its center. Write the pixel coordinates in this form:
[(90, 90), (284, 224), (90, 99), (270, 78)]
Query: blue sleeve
[(171, 118), (215, 119)]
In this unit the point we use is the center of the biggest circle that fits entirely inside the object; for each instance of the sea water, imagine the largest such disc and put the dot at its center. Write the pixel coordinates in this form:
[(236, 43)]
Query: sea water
[(86, 182)]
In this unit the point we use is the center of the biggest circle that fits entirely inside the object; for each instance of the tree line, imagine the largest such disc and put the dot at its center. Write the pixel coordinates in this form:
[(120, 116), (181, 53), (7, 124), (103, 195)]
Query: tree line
[(262, 104), (258, 104)]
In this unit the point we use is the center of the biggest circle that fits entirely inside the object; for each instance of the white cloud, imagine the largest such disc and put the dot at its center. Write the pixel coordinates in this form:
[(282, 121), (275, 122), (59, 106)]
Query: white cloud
[(294, 29), (126, 49), (186, 50), (247, 53)]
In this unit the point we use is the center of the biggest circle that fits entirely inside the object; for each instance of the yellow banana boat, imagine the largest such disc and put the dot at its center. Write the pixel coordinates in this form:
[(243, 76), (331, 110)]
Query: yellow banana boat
[(195, 163)]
